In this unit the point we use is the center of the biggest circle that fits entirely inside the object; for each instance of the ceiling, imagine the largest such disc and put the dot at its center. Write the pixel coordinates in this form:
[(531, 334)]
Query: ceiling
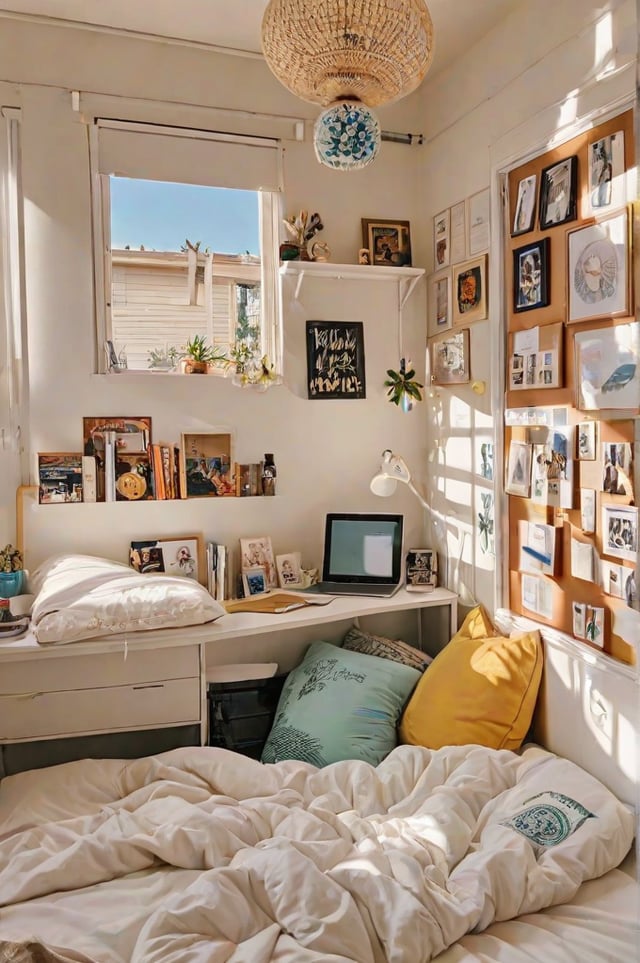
[(235, 24)]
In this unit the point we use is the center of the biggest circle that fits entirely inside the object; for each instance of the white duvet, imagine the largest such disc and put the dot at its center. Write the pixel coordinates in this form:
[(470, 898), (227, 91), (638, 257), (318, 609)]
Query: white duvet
[(293, 864)]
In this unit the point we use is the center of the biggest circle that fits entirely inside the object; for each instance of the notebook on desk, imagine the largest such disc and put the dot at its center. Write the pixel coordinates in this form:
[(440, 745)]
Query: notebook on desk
[(362, 555)]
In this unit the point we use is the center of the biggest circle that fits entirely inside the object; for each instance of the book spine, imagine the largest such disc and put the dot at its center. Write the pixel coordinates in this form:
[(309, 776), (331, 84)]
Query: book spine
[(109, 466), (89, 479)]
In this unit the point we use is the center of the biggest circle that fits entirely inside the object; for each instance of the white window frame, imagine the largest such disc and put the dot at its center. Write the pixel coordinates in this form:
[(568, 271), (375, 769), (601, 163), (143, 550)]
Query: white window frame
[(270, 216)]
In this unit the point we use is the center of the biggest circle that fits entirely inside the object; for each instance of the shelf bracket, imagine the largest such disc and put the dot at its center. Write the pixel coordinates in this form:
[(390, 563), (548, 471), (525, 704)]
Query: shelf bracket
[(405, 289), (299, 285)]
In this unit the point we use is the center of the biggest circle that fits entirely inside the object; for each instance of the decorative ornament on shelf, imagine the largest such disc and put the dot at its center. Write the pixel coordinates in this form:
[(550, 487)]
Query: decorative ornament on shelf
[(252, 371), (197, 355), (403, 388), (348, 55), (302, 229)]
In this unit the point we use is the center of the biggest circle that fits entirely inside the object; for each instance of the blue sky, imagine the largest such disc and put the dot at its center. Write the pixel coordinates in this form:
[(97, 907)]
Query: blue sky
[(161, 216)]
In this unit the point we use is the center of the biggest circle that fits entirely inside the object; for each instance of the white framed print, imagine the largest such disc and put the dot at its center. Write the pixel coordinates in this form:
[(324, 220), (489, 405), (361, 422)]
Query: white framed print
[(478, 210), (441, 239), (606, 173), (598, 275), (620, 531), (525, 212), (440, 316), (607, 366), (518, 481)]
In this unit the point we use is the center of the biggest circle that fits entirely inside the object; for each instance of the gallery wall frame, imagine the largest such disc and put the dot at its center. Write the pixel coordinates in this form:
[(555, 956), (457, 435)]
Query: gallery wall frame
[(606, 172), (598, 275), (449, 358), (441, 239), (558, 193), (469, 291), (531, 275), (524, 217), (440, 304), (607, 366)]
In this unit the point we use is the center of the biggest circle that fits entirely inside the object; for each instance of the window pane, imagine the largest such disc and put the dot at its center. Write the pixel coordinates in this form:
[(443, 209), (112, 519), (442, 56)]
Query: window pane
[(185, 261)]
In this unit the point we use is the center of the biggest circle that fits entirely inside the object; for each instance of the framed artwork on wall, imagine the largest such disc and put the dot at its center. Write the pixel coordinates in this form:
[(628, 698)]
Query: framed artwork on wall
[(607, 366), (335, 359), (449, 358), (388, 241), (441, 239), (470, 291), (606, 173), (518, 480), (531, 276), (478, 212), (440, 304), (558, 193), (598, 275), (525, 212)]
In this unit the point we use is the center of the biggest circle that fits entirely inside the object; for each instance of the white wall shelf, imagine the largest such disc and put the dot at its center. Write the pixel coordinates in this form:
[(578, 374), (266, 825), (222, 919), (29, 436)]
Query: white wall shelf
[(405, 277)]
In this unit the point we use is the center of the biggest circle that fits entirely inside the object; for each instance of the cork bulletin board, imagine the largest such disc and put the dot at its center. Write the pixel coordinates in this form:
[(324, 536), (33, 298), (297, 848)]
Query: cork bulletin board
[(573, 387)]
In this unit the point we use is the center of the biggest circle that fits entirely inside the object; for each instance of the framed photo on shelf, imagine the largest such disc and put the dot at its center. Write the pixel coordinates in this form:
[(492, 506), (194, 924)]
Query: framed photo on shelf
[(558, 193), (470, 291), (257, 553), (525, 211), (179, 555), (607, 366), (335, 359), (388, 241), (531, 276), (598, 273), (440, 304), (518, 480), (205, 464), (441, 239), (606, 173), (449, 358), (59, 477)]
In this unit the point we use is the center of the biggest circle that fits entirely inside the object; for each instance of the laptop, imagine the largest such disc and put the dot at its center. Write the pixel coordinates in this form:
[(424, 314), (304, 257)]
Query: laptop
[(362, 555)]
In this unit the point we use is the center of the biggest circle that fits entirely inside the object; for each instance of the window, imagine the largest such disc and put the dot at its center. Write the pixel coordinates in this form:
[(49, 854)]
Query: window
[(186, 243)]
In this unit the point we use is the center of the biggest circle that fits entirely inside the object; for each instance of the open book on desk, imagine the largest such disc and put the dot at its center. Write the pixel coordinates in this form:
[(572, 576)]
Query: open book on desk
[(277, 602)]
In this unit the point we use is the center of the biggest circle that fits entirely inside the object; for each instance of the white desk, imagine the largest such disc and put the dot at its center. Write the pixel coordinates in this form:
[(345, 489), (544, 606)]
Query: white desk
[(157, 679)]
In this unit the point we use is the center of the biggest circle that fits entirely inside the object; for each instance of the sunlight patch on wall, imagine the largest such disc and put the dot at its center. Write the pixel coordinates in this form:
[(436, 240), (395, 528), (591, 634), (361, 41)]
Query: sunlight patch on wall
[(603, 61), (458, 453), (458, 492), (459, 413)]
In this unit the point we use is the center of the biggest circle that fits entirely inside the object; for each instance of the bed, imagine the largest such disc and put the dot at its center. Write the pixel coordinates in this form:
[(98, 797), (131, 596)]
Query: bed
[(453, 852)]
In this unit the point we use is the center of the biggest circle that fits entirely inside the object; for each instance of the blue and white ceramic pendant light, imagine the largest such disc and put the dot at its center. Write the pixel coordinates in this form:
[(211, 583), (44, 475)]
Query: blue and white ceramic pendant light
[(349, 56)]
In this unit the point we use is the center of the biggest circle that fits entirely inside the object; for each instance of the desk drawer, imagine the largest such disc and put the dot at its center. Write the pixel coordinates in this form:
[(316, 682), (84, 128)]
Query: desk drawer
[(74, 671), (109, 709)]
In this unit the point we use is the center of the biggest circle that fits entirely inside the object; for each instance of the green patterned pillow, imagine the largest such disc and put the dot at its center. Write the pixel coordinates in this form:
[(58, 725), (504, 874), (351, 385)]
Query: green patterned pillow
[(395, 649), (339, 704)]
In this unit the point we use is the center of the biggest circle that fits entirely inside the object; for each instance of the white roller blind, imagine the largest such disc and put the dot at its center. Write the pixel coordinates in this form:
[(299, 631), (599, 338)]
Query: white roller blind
[(176, 154)]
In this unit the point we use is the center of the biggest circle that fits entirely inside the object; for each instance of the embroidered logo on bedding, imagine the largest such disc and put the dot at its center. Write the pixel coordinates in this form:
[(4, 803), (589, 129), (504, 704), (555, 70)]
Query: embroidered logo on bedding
[(548, 818)]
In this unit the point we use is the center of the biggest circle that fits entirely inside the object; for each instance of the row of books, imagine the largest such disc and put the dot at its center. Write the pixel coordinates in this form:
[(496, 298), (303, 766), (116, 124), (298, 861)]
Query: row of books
[(119, 462)]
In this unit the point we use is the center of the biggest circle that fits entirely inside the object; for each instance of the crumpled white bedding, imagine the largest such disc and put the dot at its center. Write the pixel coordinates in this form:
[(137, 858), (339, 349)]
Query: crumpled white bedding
[(290, 863)]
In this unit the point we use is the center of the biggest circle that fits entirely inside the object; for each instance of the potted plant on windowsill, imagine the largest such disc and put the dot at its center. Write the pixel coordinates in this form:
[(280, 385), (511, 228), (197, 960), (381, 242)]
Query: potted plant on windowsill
[(198, 356)]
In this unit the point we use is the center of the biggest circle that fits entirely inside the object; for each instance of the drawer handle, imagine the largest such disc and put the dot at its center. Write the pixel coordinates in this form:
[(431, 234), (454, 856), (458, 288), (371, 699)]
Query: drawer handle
[(151, 685)]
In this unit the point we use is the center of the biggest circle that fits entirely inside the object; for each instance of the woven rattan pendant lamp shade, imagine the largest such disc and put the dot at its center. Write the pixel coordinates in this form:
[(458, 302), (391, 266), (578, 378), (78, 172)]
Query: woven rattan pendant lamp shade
[(373, 51)]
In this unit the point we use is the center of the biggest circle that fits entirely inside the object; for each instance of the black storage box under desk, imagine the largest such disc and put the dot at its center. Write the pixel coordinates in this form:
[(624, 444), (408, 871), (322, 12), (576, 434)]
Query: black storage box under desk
[(241, 713)]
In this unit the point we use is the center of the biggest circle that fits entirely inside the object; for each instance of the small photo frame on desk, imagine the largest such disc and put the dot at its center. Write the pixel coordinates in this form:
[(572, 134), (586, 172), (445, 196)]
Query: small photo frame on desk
[(254, 582), (181, 556)]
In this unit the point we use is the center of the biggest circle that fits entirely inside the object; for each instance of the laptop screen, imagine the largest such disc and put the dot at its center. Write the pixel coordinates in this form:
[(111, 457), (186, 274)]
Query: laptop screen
[(363, 548)]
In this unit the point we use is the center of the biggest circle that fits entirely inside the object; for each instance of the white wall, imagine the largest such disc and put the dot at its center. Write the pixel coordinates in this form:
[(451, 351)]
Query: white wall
[(325, 451), (546, 69)]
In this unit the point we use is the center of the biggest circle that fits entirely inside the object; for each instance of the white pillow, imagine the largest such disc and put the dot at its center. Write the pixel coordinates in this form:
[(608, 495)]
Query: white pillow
[(83, 597)]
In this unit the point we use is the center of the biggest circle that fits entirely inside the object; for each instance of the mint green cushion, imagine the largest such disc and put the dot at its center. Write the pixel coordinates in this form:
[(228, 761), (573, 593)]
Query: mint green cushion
[(339, 704)]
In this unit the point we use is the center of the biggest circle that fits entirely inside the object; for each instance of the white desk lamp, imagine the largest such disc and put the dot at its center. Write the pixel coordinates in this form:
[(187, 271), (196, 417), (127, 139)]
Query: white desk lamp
[(393, 469)]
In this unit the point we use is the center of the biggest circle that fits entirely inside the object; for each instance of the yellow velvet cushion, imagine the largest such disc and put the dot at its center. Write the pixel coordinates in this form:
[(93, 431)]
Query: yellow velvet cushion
[(481, 689)]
